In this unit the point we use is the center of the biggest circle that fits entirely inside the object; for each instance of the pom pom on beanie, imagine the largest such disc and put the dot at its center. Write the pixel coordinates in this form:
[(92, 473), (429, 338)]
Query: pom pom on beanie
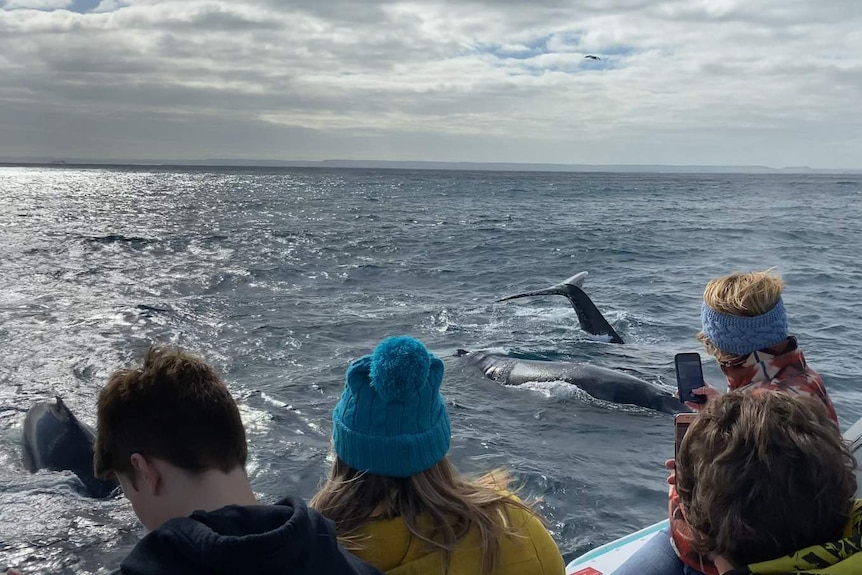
[(399, 368)]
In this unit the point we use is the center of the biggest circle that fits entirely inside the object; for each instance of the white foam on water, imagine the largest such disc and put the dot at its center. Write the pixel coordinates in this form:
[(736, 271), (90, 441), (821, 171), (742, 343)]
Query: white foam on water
[(272, 401), (256, 421)]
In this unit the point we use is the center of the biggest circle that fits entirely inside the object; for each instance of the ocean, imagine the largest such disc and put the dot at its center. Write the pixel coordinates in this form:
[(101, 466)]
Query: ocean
[(281, 277)]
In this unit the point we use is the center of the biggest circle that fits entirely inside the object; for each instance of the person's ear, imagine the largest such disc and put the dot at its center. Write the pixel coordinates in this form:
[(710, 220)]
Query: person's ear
[(146, 473)]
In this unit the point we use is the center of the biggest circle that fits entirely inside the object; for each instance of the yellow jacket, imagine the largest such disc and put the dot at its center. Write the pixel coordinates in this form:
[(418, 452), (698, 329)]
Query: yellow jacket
[(842, 557), (388, 545)]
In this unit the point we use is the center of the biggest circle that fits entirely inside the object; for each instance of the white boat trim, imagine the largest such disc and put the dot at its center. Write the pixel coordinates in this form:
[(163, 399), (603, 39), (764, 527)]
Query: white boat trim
[(621, 542)]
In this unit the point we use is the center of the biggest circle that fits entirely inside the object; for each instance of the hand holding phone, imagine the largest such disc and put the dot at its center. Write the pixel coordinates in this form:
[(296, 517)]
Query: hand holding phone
[(689, 376), (670, 465)]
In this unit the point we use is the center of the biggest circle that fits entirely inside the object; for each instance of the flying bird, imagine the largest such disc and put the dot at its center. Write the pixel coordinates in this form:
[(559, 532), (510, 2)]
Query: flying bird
[(591, 57)]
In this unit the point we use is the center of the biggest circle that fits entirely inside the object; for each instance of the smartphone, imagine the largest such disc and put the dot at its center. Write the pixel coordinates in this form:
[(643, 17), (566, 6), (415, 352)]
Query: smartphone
[(681, 422), (689, 376)]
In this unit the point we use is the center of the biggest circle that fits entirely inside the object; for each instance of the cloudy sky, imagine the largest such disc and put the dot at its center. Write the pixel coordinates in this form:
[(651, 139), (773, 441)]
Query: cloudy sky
[(725, 82)]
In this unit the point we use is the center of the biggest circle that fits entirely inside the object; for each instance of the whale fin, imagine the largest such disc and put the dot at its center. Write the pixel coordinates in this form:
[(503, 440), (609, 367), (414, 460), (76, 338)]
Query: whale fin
[(54, 439), (591, 319), (60, 410)]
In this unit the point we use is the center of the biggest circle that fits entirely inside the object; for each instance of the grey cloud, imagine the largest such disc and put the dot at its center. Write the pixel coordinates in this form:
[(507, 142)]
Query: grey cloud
[(137, 133), (418, 80), (767, 14), (164, 137), (214, 18)]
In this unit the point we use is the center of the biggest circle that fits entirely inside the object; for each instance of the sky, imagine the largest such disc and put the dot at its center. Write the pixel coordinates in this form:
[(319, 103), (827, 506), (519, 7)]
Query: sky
[(685, 82)]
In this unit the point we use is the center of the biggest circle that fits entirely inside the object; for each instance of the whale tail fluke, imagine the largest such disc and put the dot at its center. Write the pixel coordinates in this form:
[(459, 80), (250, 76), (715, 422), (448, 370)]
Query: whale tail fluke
[(591, 319), (576, 280), (549, 291)]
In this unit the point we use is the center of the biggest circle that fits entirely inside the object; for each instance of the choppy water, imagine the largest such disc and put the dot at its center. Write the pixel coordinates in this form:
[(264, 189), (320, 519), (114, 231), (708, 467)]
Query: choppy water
[(281, 277)]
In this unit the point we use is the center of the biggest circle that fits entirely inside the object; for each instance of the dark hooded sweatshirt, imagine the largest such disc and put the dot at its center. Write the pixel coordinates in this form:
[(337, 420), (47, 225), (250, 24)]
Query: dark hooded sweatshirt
[(284, 539)]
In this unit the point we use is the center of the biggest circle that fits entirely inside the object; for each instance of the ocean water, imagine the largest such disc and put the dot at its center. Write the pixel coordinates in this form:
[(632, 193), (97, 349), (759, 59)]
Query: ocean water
[(282, 277)]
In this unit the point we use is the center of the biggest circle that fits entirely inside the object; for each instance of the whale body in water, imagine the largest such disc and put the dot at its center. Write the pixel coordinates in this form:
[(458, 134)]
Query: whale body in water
[(56, 440), (599, 382)]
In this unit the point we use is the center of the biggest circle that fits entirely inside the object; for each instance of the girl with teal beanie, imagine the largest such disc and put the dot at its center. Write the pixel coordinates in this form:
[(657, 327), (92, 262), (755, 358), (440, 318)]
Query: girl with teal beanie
[(396, 499)]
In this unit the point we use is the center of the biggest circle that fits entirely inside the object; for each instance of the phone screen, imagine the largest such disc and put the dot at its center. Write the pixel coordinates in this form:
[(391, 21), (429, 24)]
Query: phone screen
[(689, 376), (682, 422)]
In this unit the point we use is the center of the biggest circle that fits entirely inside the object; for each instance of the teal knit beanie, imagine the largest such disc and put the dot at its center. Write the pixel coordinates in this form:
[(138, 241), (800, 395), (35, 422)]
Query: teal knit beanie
[(391, 419)]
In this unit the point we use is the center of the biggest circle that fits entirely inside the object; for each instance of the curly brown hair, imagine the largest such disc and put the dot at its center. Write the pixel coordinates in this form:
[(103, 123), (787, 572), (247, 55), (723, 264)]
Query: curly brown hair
[(174, 407), (763, 475)]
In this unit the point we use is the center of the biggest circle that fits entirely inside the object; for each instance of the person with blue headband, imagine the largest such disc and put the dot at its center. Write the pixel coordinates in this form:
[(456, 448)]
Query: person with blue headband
[(396, 499), (744, 327)]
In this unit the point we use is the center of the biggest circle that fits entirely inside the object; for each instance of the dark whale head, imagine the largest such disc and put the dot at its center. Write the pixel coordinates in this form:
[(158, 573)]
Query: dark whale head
[(54, 439)]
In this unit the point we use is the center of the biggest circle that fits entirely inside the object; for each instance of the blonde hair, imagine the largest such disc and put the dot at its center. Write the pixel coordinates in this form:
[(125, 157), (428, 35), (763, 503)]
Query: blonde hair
[(453, 504), (743, 294)]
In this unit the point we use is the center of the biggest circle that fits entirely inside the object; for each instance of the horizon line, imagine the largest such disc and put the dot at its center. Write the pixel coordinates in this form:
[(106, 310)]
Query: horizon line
[(419, 164)]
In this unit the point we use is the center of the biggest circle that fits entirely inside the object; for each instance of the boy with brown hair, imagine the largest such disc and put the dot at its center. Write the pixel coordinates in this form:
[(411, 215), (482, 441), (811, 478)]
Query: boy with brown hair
[(767, 484), (172, 434)]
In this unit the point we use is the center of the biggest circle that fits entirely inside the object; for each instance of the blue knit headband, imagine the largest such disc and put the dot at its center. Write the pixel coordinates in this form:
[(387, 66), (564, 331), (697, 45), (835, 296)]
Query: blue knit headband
[(742, 335)]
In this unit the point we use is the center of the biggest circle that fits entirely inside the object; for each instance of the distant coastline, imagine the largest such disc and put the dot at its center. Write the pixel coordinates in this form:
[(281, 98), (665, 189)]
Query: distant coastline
[(426, 165)]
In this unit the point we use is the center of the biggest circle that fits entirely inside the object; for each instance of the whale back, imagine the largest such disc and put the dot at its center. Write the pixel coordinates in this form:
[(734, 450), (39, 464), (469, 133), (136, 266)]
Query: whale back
[(599, 382)]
